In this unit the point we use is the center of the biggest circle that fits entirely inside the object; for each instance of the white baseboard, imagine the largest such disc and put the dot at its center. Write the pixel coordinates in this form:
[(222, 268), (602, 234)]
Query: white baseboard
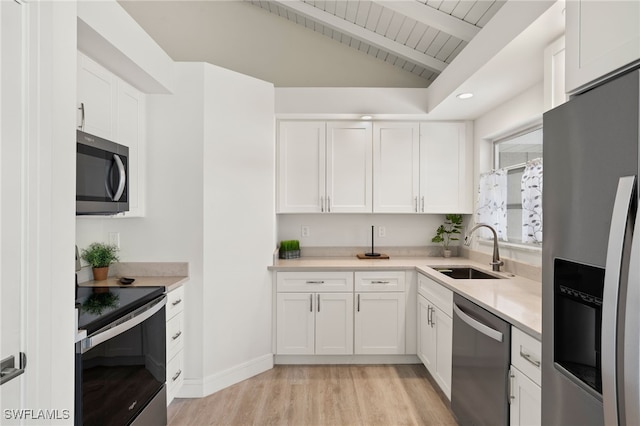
[(196, 388), (346, 359)]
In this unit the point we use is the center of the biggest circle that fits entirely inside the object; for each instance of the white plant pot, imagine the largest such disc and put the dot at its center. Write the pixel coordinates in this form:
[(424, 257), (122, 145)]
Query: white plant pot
[(447, 253)]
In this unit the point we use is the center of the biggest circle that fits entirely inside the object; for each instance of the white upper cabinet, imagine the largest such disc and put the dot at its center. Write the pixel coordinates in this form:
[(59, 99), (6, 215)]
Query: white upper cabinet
[(446, 168), (324, 167), (97, 99), (349, 171), (602, 37), (554, 74), (396, 162), (112, 109)]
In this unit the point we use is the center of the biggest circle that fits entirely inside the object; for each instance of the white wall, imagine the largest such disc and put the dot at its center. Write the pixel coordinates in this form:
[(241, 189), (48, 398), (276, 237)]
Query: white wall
[(522, 111), (210, 202), (354, 230)]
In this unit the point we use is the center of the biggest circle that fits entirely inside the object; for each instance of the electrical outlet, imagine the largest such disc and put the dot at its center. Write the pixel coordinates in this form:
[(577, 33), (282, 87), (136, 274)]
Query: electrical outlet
[(382, 231), (305, 231), (114, 239)]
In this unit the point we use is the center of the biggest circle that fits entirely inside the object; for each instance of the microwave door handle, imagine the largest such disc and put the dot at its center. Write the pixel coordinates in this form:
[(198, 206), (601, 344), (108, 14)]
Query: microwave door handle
[(631, 337), (610, 304), (123, 177), (141, 315)]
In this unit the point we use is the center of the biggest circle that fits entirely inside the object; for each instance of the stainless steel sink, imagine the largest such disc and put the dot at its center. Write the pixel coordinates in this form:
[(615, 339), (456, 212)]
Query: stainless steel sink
[(466, 273)]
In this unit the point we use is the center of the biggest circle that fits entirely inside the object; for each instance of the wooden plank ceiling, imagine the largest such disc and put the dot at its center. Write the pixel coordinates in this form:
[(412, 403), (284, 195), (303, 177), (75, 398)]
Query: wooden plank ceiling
[(419, 37)]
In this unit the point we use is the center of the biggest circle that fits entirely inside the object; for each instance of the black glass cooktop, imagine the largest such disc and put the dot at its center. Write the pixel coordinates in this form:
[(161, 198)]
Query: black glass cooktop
[(100, 306)]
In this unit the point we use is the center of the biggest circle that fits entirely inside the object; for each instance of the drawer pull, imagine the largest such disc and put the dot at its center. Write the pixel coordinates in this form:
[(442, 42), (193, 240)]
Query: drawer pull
[(315, 282), (528, 358), (379, 282), (175, 377), (176, 302), (175, 336)]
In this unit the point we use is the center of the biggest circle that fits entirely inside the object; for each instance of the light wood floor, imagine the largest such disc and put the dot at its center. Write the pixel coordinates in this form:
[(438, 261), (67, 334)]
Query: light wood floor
[(321, 395)]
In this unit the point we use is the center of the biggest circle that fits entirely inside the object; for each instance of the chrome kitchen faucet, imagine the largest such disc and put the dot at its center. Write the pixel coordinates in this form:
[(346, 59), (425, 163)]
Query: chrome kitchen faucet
[(496, 263)]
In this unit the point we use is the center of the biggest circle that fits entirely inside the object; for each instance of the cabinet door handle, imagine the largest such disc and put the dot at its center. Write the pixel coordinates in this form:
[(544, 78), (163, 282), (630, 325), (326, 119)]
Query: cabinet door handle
[(175, 377), (81, 126), (176, 302), (415, 200), (358, 302), (315, 282), (529, 358), (175, 336), (380, 282), (431, 316), (428, 314), (511, 396), (321, 204), (311, 303), (328, 204), (318, 302), (423, 204)]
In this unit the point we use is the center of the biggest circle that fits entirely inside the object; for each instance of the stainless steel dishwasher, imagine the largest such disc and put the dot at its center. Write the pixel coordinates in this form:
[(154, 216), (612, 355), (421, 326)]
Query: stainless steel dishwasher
[(481, 357)]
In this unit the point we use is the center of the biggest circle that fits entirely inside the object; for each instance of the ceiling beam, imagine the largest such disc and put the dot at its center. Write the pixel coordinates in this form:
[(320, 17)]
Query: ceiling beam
[(432, 17), (363, 34)]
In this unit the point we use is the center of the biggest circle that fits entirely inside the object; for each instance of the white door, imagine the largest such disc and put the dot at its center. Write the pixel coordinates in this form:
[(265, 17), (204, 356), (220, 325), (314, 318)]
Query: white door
[(12, 183), (97, 97), (396, 167), (295, 323), (445, 168), (379, 323), (349, 169), (334, 323), (526, 406), (443, 346), (426, 335)]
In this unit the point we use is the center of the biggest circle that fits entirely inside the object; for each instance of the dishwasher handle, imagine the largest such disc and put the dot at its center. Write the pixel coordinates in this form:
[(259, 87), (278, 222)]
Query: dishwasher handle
[(484, 329)]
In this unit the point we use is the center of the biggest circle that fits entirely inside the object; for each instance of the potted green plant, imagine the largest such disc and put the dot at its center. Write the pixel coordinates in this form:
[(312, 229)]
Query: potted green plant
[(100, 256), (289, 249), (447, 232)]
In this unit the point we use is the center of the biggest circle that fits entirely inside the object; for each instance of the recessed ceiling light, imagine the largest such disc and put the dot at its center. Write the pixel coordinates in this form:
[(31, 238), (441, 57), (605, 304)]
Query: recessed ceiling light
[(366, 117), (465, 95)]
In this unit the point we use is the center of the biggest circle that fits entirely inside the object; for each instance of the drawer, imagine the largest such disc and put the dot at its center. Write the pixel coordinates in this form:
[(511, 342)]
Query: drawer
[(439, 295), (175, 375), (314, 281), (175, 335), (526, 354), (175, 302), (379, 281)]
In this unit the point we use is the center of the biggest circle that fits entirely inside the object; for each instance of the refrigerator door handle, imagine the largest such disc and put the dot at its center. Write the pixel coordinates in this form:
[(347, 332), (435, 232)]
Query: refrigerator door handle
[(631, 337), (610, 305)]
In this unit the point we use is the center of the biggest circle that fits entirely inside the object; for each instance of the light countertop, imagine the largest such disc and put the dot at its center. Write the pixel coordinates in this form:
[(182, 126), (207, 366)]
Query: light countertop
[(515, 299)]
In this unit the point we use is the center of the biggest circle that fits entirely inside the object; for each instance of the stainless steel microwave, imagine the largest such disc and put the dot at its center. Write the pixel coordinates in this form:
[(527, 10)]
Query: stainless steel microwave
[(102, 186)]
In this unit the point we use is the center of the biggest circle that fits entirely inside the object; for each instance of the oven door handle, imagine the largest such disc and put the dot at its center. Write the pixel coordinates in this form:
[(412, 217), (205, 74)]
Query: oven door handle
[(138, 316), (477, 325)]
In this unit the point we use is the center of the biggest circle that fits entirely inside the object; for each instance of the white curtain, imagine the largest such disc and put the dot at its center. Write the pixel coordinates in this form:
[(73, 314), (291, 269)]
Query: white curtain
[(532, 202), (492, 203)]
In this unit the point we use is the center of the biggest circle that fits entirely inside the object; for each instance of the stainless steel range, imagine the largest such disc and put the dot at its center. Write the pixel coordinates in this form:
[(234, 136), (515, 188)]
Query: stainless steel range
[(121, 363)]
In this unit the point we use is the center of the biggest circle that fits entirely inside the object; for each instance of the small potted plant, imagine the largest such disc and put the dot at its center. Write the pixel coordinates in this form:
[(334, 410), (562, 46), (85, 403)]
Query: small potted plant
[(289, 249), (447, 232), (100, 256)]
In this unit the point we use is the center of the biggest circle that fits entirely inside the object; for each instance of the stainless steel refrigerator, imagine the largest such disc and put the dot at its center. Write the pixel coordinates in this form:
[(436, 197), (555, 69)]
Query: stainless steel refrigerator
[(591, 258)]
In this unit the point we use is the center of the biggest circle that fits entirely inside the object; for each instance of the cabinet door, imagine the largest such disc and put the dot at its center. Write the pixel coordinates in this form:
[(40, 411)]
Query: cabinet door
[(349, 169), (602, 37), (396, 164), (334, 323), (526, 406), (97, 92), (131, 133), (295, 323), (444, 350), (426, 335), (445, 168), (380, 323), (301, 167)]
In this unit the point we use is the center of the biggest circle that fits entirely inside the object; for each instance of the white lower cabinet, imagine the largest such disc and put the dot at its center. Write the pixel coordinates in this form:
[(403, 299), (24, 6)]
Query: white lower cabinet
[(435, 331), (175, 342), (525, 390), (315, 322)]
